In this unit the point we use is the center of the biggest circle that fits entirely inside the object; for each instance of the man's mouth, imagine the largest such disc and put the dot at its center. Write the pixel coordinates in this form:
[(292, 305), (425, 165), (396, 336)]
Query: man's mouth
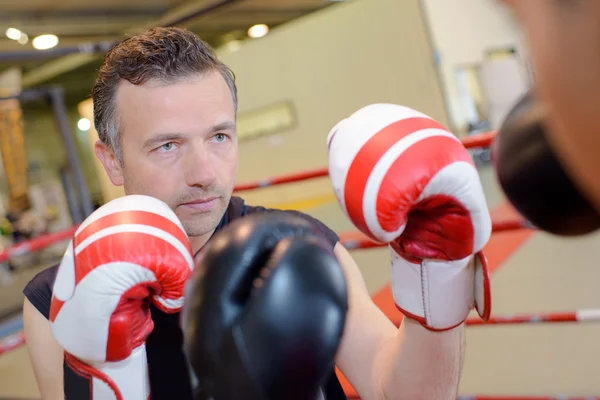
[(205, 204)]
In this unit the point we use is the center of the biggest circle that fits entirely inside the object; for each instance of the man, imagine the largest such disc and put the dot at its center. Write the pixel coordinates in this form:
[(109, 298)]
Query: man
[(165, 110)]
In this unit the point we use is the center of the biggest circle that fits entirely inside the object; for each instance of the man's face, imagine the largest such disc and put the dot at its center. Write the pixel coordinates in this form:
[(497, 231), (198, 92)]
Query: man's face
[(180, 146)]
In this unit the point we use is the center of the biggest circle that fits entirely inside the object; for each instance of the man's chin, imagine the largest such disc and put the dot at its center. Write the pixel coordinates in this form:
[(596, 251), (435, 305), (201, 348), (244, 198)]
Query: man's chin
[(200, 223)]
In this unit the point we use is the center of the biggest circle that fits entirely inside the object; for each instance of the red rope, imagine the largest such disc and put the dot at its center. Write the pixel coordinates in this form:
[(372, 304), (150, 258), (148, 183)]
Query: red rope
[(511, 225), (12, 342), (351, 240), (278, 180), (479, 140), (357, 240), (37, 243), (588, 315), (43, 241), (479, 397), (526, 398)]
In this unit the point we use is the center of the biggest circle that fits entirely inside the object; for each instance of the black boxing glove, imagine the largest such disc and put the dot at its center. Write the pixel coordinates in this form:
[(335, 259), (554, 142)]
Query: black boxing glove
[(265, 310), (532, 176)]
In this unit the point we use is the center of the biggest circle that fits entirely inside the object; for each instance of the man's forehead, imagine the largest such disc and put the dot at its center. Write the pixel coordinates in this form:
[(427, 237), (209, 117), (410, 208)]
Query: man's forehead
[(210, 86), (126, 88), (182, 106)]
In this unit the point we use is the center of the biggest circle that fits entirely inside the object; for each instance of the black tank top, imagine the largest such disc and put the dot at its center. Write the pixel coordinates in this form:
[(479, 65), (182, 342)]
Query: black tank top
[(169, 370)]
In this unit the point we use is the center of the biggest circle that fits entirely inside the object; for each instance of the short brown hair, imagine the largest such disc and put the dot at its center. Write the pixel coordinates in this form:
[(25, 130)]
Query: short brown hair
[(164, 54)]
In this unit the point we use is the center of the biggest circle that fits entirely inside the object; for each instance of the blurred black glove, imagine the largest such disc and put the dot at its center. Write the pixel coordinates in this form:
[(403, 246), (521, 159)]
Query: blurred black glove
[(265, 310), (533, 177)]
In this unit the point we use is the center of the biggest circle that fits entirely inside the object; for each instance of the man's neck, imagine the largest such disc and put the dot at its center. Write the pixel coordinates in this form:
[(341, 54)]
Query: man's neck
[(198, 242)]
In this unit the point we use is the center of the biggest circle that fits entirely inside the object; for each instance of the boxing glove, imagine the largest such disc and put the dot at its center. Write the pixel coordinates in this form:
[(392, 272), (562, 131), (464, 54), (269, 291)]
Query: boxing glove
[(265, 310), (128, 253), (532, 176), (404, 180)]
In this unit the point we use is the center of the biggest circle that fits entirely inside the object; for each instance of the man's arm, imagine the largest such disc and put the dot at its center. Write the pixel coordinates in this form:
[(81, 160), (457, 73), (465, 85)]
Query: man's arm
[(383, 362), (45, 353)]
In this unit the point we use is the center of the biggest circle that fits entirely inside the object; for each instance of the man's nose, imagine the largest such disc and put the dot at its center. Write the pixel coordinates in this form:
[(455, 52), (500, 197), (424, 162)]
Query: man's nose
[(200, 170)]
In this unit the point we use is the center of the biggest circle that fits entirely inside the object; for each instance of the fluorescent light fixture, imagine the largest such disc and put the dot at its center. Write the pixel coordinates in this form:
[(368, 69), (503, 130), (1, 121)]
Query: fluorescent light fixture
[(258, 31), (84, 124), (13, 33), (44, 42)]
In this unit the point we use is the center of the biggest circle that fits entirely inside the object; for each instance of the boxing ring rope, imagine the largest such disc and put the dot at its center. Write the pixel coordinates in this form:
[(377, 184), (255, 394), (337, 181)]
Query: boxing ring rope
[(12, 342), (38, 243), (15, 341), (471, 142), (583, 315), (524, 398), (353, 240), (347, 238), (513, 398)]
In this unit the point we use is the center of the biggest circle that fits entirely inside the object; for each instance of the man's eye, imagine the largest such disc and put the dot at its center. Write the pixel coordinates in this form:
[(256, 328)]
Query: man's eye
[(167, 146), (220, 137)]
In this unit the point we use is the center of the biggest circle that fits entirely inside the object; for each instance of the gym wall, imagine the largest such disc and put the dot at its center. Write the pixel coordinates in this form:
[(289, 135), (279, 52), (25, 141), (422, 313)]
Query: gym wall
[(452, 33), (327, 65)]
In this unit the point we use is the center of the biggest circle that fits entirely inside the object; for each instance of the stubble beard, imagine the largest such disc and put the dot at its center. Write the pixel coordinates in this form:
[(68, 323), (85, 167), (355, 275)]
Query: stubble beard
[(194, 224), (202, 223)]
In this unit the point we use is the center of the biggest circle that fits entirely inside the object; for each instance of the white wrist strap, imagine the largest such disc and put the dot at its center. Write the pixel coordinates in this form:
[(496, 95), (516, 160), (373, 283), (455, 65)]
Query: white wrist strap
[(439, 294), (130, 377)]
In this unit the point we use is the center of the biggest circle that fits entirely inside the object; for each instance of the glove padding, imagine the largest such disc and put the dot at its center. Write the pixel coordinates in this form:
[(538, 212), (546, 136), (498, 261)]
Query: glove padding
[(265, 310), (532, 176), (403, 179), (130, 251)]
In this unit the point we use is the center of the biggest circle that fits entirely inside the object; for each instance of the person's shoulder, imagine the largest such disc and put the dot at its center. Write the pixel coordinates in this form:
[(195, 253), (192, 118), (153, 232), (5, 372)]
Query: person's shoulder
[(39, 289), (319, 225)]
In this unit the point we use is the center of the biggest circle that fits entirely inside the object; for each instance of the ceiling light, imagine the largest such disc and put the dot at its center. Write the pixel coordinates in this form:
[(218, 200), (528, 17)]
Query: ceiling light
[(23, 39), (44, 42), (234, 45), (258, 30), (13, 33), (84, 124)]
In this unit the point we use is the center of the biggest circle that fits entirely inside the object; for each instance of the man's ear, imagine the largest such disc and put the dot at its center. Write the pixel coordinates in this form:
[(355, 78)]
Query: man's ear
[(111, 164)]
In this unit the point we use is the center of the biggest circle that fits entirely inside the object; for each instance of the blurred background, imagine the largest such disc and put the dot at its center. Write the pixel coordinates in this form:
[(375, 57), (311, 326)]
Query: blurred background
[(301, 66), (458, 60)]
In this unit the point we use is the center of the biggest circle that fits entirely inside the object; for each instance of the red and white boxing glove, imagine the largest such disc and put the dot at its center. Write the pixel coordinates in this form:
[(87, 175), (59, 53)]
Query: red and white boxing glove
[(131, 251), (405, 180)]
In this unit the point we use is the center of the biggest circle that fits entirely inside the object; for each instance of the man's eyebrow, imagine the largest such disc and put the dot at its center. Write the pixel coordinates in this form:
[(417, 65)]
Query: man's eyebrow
[(162, 137), (224, 126)]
